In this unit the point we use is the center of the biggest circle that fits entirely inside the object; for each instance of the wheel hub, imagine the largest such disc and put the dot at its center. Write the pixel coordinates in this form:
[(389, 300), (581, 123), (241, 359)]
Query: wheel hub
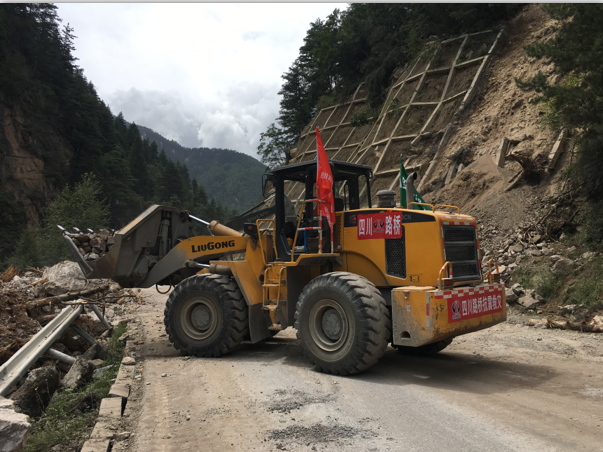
[(199, 318), (329, 325), (332, 324)]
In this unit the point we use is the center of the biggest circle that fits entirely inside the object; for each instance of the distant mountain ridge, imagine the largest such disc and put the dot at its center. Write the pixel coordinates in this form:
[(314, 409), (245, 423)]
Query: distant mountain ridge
[(232, 178)]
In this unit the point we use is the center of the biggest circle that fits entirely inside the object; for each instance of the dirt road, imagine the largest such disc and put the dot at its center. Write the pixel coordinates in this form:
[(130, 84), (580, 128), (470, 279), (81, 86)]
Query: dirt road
[(509, 388)]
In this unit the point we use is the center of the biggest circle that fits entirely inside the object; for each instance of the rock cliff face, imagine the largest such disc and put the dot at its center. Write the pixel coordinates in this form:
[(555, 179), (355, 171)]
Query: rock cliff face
[(27, 143)]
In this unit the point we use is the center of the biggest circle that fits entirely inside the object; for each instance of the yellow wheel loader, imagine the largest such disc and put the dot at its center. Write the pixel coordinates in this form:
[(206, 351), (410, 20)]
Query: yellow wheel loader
[(385, 275)]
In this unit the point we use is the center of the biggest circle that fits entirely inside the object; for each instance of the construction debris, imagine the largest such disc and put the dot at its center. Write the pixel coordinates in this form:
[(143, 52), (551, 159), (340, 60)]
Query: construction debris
[(94, 245), (80, 372), (594, 326), (14, 427), (29, 300), (35, 393)]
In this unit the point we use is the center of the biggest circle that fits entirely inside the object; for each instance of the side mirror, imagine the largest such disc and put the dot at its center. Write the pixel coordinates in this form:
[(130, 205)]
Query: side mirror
[(267, 184)]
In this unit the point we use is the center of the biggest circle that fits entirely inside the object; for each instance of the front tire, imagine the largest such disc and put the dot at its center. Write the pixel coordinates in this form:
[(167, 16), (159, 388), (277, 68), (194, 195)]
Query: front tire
[(342, 322), (206, 316)]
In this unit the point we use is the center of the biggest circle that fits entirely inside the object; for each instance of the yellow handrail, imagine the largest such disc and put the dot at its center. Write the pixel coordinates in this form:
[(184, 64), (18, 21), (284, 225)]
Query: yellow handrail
[(449, 207), (493, 277), (320, 227), (297, 230), (440, 279)]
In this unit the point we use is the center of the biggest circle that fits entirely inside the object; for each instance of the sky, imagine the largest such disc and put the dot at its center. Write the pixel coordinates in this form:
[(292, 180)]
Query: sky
[(204, 75)]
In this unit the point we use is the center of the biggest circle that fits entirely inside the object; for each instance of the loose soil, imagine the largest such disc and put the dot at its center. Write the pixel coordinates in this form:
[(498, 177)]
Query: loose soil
[(507, 388)]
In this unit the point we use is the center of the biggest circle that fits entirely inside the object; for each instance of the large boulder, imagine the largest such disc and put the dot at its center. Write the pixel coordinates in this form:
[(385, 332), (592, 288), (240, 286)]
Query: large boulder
[(95, 351), (35, 393), (516, 248), (528, 301), (80, 372), (14, 427), (67, 277), (563, 265), (511, 296), (64, 277)]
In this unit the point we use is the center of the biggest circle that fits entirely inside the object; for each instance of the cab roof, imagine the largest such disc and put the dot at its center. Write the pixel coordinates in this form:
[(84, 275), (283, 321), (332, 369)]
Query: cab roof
[(297, 171)]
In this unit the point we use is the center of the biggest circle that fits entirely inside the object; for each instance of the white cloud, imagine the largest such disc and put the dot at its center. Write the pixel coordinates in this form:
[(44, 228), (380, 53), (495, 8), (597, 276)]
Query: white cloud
[(196, 73)]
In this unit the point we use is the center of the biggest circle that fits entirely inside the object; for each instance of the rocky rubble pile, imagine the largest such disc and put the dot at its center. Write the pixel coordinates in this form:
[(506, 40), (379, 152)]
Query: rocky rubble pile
[(94, 245), (509, 248), (526, 246), (30, 300)]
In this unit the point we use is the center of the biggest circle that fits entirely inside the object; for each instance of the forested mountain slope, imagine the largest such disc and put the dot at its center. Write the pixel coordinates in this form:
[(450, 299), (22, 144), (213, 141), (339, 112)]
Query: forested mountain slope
[(57, 133), (232, 178)]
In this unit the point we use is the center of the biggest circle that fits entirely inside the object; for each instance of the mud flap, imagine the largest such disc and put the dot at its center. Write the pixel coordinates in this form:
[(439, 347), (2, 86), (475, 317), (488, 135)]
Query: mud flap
[(258, 329)]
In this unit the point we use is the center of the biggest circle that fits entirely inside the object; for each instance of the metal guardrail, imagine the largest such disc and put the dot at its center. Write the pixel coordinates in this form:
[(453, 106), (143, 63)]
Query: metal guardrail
[(17, 366)]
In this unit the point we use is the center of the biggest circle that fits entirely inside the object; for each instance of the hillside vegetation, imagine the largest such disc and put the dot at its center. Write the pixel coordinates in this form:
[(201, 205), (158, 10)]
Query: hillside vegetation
[(231, 178), (363, 44)]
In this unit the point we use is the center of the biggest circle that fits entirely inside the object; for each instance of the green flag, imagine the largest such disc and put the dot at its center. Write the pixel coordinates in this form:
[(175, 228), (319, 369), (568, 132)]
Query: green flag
[(417, 196)]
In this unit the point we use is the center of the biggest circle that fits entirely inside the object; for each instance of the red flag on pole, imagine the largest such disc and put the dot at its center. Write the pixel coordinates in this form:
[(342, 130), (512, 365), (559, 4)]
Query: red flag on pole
[(324, 183)]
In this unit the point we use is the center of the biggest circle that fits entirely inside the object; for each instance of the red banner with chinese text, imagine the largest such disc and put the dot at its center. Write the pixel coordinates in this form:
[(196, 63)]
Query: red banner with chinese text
[(386, 225), (324, 182), (465, 306)]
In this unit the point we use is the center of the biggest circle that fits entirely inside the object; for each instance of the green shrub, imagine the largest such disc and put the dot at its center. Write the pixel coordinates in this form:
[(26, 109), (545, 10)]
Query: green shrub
[(546, 285), (364, 117), (588, 289), (79, 206)]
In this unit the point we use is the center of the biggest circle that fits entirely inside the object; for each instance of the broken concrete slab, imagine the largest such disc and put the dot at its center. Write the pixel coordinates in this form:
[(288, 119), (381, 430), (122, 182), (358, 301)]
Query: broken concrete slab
[(80, 372), (95, 445), (97, 363), (95, 351), (35, 393), (511, 296), (527, 301), (119, 390), (14, 428), (111, 407), (7, 404)]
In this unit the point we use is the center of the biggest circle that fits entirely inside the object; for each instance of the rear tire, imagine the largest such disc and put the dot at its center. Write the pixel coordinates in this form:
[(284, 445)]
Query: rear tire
[(206, 315), (424, 350), (342, 322)]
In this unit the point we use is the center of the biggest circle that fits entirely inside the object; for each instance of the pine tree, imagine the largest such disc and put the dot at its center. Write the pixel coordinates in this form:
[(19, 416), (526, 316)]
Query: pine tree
[(138, 164), (274, 148), (577, 103)]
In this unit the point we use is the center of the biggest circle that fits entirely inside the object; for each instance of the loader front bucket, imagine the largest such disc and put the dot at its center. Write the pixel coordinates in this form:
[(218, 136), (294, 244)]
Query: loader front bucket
[(137, 247)]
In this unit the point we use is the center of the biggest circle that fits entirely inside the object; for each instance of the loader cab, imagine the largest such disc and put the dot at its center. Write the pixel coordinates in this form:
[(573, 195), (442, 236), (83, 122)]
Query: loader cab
[(295, 183)]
